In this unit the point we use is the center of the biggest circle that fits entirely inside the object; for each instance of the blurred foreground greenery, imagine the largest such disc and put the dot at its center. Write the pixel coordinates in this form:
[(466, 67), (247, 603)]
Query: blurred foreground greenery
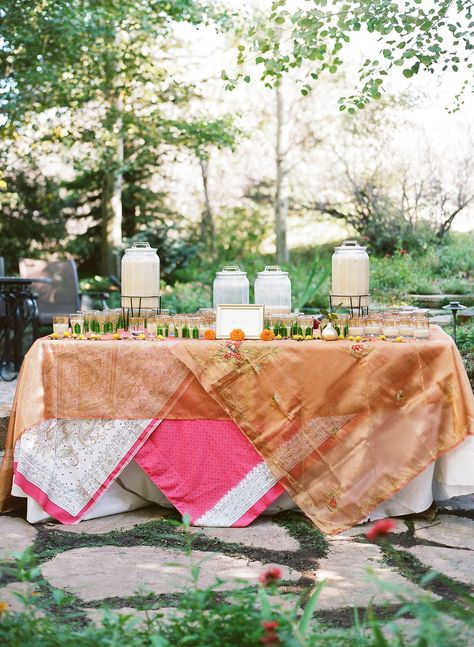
[(214, 616)]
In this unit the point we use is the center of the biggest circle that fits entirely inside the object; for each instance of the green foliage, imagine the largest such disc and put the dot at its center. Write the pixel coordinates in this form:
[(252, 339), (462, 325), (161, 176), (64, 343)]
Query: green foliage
[(211, 617), (240, 233), (31, 210), (445, 268), (91, 78), (412, 37), (187, 297), (465, 344)]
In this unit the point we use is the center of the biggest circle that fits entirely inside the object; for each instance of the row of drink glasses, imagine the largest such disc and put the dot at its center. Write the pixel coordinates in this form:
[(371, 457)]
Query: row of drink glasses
[(191, 326), (289, 325), (148, 322), (391, 325)]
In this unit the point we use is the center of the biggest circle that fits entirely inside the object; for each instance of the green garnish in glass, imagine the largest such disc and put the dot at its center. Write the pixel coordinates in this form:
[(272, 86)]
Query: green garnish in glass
[(283, 331)]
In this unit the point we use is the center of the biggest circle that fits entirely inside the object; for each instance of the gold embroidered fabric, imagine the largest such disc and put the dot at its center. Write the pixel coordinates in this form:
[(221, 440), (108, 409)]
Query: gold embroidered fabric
[(342, 428)]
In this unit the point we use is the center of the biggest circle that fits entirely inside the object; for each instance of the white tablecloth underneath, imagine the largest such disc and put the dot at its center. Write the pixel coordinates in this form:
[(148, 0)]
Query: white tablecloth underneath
[(452, 475)]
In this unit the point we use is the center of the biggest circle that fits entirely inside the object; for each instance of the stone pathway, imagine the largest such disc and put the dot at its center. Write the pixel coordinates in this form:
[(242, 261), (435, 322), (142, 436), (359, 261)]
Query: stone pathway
[(116, 558)]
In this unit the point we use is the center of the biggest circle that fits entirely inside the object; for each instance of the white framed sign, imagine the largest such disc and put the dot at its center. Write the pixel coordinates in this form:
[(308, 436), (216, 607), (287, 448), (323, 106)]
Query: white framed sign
[(248, 318)]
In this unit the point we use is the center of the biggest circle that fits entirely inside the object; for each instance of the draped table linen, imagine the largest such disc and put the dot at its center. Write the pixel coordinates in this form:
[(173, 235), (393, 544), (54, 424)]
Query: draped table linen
[(341, 426)]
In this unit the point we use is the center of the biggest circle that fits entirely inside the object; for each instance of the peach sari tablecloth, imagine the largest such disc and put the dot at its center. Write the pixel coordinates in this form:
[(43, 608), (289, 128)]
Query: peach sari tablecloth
[(342, 426)]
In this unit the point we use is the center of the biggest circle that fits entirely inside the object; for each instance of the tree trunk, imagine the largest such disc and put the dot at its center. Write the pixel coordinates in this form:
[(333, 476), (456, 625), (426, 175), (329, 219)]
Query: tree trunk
[(207, 221), (111, 208), (111, 203), (281, 192)]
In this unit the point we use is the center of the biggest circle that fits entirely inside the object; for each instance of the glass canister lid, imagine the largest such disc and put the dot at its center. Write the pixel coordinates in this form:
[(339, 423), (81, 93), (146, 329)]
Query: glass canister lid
[(349, 245), (231, 270), (141, 247), (273, 270)]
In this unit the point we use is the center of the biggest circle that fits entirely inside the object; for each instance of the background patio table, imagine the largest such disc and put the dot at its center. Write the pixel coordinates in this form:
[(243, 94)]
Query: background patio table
[(341, 427), (18, 309)]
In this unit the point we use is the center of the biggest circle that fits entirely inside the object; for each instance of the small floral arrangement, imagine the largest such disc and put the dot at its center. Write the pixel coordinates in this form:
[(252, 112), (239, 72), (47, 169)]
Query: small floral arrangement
[(209, 334), (267, 335), (237, 335)]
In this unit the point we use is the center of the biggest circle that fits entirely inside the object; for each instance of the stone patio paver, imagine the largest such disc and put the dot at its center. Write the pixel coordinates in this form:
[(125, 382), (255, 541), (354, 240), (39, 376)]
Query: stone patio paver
[(123, 521), (456, 563), (110, 571), (347, 581), (15, 535), (262, 533), (457, 532), (461, 503)]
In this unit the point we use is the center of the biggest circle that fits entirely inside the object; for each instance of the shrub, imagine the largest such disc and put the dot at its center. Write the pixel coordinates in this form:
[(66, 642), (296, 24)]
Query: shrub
[(186, 297)]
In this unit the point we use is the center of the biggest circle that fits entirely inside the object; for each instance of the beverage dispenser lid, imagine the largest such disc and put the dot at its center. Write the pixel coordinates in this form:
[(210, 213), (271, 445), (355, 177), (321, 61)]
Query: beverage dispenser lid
[(273, 270), (349, 244), (140, 246), (231, 270)]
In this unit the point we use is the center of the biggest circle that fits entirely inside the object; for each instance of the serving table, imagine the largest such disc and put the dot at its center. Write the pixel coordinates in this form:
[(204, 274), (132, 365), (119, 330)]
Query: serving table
[(345, 430)]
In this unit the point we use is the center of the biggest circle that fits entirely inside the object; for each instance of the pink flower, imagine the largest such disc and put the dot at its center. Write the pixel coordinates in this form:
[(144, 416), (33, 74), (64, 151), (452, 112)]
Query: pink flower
[(270, 576), (270, 625), (403, 252), (380, 527)]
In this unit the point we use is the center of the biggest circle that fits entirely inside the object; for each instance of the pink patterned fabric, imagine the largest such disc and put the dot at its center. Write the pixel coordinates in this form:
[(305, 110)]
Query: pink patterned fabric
[(208, 469)]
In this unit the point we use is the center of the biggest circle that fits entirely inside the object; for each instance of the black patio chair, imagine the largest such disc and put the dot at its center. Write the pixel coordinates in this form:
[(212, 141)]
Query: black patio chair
[(62, 295)]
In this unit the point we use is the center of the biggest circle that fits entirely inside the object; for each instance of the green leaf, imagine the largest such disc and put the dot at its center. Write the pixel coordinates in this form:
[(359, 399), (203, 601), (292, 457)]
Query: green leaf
[(407, 73), (310, 607)]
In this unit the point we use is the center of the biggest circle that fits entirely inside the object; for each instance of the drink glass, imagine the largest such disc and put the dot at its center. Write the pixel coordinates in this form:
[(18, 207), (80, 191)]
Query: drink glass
[(101, 322), (356, 326), (60, 324), (305, 325), (285, 325), (136, 325), (407, 327), (77, 323), (194, 326), (178, 323), (207, 317), (151, 327), (372, 326), (90, 321), (390, 326), (421, 328)]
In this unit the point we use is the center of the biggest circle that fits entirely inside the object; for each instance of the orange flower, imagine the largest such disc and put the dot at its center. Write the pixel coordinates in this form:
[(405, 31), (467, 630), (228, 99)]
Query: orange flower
[(3, 607), (267, 335), (237, 334), (209, 334)]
